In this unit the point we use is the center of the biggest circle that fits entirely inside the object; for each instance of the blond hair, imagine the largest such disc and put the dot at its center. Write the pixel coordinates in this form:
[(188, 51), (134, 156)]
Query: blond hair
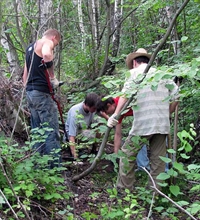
[(53, 32)]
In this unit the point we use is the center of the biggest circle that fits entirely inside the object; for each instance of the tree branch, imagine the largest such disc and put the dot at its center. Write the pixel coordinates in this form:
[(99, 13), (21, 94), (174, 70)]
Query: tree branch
[(13, 191), (4, 197), (157, 190)]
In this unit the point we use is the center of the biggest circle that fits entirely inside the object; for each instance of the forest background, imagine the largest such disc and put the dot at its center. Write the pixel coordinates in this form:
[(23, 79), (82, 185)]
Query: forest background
[(97, 35)]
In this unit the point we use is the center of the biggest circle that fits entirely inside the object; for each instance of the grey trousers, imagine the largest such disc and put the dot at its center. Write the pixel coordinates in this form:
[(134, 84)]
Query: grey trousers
[(157, 147)]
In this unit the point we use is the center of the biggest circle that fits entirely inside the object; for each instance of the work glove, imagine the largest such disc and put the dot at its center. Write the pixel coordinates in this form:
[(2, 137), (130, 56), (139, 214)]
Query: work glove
[(54, 82), (112, 122)]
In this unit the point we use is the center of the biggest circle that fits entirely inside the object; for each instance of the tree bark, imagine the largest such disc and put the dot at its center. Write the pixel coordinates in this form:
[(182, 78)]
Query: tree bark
[(12, 56), (116, 25)]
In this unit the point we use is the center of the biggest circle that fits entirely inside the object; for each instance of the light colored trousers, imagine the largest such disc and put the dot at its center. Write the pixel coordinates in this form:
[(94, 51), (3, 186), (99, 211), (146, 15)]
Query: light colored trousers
[(157, 147)]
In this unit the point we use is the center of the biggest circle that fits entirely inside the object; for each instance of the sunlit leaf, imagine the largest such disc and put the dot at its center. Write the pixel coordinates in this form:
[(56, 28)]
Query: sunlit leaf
[(163, 176), (175, 190), (184, 38)]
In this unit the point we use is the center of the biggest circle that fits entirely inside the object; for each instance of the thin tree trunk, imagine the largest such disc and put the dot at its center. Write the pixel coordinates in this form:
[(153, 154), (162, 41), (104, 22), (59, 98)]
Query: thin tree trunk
[(117, 17), (81, 26), (45, 15), (174, 35), (18, 26), (12, 57)]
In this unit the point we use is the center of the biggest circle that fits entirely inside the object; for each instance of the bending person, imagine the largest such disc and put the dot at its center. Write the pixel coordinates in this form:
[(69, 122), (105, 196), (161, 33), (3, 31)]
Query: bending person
[(107, 107), (79, 119)]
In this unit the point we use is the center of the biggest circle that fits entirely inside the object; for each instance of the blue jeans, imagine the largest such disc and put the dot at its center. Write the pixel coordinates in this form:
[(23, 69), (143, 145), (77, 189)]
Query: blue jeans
[(44, 114), (143, 160)]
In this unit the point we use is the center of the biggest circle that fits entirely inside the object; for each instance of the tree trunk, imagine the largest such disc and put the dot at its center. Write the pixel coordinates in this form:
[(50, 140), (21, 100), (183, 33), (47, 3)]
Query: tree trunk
[(116, 25), (81, 26), (174, 35), (12, 57), (11, 117), (45, 16)]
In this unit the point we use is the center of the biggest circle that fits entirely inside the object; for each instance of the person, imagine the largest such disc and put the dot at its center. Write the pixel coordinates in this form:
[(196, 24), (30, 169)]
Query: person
[(151, 119), (38, 61), (79, 119), (106, 107)]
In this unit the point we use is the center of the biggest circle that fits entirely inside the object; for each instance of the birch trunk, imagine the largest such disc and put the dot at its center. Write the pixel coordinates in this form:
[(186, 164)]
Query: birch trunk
[(45, 14), (117, 16), (93, 21), (81, 26), (11, 54), (93, 9)]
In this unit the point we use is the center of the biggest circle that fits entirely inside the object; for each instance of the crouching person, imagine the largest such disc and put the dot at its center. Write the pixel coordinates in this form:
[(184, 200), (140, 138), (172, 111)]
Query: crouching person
[(78, 123)]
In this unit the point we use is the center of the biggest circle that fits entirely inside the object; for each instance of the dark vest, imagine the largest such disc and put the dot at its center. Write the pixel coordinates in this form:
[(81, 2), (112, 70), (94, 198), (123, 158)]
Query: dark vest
[(36, 74)]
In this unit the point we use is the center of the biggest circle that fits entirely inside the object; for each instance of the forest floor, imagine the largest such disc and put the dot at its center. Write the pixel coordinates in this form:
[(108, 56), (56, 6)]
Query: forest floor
[(95, 197)]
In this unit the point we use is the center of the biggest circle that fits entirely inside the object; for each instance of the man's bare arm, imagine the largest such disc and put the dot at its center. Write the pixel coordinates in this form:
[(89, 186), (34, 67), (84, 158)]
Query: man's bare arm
[(117, 138), (172, 107), (72, 146), (47, 54)]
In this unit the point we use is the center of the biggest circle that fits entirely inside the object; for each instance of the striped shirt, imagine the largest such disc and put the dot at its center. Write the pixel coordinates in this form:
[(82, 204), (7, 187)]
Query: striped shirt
[(152, 113)]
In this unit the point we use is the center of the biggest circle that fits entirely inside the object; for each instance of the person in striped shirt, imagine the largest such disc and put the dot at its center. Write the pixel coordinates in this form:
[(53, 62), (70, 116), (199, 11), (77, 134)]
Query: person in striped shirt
[(151, 118)]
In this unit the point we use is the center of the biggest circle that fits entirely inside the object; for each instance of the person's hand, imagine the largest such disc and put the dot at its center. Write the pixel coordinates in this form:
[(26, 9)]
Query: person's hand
[(112, 122), (54, 82), (76, 163)]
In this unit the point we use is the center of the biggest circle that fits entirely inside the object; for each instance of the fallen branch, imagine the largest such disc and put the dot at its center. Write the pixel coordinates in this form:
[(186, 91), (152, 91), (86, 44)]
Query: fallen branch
[(4, 197), (172, 201), (13, 191)]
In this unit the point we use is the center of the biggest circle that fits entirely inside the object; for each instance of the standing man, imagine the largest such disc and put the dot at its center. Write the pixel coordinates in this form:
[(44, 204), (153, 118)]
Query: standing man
[(39, 60), (79, 120), (151, 119)]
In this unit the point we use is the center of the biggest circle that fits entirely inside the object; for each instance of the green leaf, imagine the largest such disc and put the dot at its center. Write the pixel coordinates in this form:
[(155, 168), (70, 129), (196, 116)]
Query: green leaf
[(29, 193), (182, 203), (194, 208), (178, 166), (184, 38), (169, 86), (62, 212), (195, 188), (154, 88), (171, 151), (172, 172), (193, 167), (159, 208), (56, 195), (175, 190), (163, 176), (165, 159), (185, 156), (47, 196), (2, 200)]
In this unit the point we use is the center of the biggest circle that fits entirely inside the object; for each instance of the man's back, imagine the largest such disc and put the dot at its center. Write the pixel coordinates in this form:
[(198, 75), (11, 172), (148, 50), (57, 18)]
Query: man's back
[(152, 113)]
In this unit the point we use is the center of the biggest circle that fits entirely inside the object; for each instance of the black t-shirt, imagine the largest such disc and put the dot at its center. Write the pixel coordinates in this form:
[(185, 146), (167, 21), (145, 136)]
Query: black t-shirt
[(36, 75)]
